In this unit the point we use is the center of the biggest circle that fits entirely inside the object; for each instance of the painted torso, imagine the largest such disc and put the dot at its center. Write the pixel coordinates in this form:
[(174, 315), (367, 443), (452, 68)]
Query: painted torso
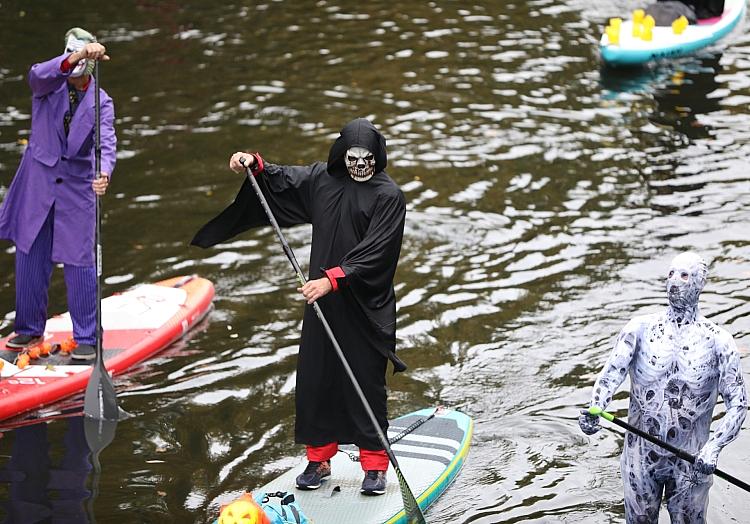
[(674, 379)]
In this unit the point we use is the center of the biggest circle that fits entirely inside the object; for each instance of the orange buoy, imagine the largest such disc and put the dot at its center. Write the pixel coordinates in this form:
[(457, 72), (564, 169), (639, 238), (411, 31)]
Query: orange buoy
[(35, 352), (68, 345), (45, 349), (23, 360)]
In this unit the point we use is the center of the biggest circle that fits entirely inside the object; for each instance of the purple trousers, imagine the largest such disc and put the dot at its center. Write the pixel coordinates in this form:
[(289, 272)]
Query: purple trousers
[(33, 273)]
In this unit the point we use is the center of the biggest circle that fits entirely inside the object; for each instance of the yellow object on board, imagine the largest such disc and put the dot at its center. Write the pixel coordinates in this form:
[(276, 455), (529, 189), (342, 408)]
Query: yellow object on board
[(613, 35), (679, 25)]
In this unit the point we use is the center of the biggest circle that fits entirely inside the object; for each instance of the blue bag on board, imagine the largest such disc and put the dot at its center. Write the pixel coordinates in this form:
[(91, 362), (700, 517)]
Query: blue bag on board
[(281, 508)]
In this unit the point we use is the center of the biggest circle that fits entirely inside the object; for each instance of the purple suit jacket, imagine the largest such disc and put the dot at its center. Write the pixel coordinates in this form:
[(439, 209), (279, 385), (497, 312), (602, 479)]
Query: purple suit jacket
[(58, 170)]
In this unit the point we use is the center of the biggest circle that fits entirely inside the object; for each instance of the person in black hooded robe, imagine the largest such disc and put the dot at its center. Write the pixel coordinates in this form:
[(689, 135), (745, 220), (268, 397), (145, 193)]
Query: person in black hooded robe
[(357, 214)]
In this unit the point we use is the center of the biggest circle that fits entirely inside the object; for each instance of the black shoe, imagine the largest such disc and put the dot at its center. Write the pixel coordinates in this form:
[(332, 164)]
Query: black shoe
[(374, 483), (314, 474), (23, 341), (84, 352)]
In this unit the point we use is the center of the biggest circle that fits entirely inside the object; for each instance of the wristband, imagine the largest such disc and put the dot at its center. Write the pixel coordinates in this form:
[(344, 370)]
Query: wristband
[(333, 275), (258, 167)]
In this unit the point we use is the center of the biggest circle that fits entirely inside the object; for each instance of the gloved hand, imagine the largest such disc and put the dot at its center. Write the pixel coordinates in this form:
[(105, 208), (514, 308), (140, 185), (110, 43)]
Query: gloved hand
[(707, 459), (589, 423)]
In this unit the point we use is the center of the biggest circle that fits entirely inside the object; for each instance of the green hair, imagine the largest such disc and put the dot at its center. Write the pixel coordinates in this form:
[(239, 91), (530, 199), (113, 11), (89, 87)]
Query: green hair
[(80, 34)]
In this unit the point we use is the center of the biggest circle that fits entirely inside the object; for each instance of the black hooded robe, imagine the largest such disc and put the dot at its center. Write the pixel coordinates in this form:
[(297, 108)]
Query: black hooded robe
[(358, 227)]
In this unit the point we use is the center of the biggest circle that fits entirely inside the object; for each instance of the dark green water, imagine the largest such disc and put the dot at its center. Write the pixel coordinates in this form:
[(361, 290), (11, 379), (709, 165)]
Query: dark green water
[(546, 197)]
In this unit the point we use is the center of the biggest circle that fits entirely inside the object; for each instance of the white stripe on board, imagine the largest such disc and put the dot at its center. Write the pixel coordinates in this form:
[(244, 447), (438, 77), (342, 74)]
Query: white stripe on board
[(444, 453), (449, 442)]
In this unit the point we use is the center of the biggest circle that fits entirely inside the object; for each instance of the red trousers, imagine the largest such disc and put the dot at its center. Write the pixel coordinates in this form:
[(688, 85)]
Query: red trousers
[(370, 460)]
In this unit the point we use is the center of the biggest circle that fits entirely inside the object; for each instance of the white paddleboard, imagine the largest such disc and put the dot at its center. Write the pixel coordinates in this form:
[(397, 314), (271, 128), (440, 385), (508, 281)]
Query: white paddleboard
[(429, 457)]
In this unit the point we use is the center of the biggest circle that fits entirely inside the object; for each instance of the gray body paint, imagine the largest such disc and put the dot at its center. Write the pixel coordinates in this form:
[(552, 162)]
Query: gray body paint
[(678, 363)]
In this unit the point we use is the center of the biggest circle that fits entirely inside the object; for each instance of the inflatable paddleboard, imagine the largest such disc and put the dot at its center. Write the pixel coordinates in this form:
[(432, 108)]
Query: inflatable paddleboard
[(619, 46), (430, 456), (137, 324)]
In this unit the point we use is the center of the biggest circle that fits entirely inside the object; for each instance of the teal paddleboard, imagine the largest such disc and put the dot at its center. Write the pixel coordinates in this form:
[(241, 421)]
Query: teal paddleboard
[(430, 457)]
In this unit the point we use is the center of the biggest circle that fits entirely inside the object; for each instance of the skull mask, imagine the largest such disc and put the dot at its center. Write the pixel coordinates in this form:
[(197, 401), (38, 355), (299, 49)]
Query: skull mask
[(685, 281), (360, 163)]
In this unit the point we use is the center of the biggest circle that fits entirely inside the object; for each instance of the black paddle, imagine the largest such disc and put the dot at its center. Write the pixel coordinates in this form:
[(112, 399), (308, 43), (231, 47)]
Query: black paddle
[(411, 507), (100, 400), (684, 455)]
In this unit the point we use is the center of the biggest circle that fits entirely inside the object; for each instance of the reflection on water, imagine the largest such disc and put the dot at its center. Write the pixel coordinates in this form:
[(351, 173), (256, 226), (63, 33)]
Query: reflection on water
[(48, 478), (40, 486), (545, 196)]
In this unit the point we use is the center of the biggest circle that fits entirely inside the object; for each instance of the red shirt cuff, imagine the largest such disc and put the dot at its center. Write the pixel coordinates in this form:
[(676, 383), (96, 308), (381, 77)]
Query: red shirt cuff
[(333, 275), (65, 66)]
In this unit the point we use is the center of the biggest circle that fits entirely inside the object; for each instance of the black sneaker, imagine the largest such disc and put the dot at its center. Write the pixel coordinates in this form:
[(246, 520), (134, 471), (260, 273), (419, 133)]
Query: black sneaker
[(314, 474), (374, 483), (23, 341), (84, 352)]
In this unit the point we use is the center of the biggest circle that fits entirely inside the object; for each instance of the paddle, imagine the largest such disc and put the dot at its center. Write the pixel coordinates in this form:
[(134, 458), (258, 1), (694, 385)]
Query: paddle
[(411, 507), (100, 400), (684, 455)]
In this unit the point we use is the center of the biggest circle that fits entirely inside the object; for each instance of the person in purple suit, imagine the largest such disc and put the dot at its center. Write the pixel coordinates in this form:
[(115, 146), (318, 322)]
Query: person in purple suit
[(49, 210)]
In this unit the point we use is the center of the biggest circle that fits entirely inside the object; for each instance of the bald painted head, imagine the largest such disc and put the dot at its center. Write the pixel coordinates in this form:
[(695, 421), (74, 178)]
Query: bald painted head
[(685, 280)]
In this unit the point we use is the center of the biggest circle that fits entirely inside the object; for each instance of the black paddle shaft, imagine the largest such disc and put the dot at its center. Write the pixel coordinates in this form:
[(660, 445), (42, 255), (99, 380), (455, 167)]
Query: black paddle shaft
[(414, 512), (98, 233), (684, 455), (100, 399)]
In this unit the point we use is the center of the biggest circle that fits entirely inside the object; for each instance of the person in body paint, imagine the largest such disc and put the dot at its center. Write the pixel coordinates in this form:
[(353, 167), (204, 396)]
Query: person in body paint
[(49, 210), (357, 214), (678, 362)]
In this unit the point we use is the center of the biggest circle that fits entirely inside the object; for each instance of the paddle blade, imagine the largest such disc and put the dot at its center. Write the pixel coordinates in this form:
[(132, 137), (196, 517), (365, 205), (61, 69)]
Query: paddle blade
[(99, 433), (414, 513), (100, 400)]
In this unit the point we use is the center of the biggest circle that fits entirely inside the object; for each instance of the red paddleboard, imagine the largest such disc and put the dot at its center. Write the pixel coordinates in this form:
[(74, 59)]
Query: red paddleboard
[(137, 324)]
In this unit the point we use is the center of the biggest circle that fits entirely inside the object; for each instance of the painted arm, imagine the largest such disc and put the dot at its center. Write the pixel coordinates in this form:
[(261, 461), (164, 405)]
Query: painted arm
[(612, 375), (732, 388)]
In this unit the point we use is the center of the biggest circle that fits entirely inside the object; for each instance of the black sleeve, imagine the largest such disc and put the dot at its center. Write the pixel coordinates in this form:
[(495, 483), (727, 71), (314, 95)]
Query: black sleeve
[(371, 265), (287, 190)]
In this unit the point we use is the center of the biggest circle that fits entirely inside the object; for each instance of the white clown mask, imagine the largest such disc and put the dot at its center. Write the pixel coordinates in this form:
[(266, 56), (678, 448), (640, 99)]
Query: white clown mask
[(75, 39), (685, 281), (360, 163)]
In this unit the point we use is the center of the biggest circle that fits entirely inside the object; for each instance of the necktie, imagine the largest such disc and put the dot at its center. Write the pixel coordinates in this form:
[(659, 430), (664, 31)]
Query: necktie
[(73, 99)]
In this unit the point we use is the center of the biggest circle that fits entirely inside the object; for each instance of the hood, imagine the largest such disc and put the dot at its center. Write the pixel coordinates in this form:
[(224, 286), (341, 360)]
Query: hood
[(359, 132)]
